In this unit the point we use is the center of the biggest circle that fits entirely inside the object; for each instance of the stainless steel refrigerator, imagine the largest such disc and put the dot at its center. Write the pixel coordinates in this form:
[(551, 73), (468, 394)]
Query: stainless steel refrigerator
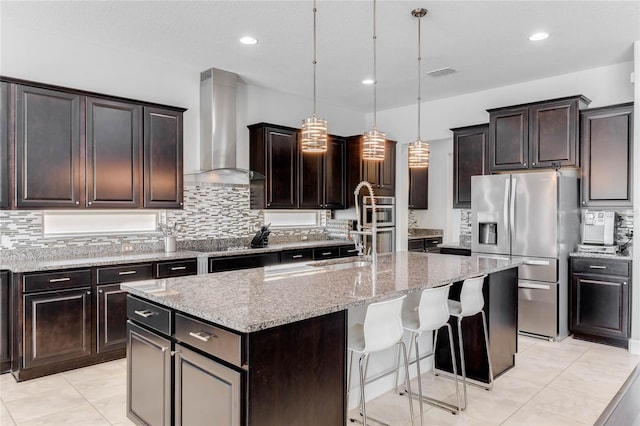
[(534, 217)]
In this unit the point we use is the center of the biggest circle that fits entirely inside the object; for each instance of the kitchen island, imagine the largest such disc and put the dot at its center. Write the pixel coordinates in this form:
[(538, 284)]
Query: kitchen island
[(268, 345)]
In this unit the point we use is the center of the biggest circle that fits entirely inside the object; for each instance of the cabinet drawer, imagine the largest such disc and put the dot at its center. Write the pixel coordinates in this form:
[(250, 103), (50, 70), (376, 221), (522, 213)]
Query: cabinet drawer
[(432, 242), (415, 245), (232, 263), (151, 315), (56, 280), (124, 273), (176, 269), (288, 256), (346, 251), (600, 266), (326, 253), (209, 338)]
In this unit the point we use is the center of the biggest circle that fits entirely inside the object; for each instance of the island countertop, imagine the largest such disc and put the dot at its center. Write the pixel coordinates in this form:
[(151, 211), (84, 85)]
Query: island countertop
[(254, 299)]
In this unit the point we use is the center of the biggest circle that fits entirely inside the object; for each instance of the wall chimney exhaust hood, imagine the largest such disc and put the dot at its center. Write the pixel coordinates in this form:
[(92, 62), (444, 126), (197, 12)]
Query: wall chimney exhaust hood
[(218, 130)]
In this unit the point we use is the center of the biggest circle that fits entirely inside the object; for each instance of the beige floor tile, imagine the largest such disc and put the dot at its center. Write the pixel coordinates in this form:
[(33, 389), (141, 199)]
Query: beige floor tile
[(517, 390), (525, 343), (104, 388), (573, 405), (81, 416), (437, 387), (534, 373), (94, 373), (587, 381), (435, 416), (529, 416), (5, 417), (40, 404), (487, 406), (390, 408), (114, 409), (12, 390)]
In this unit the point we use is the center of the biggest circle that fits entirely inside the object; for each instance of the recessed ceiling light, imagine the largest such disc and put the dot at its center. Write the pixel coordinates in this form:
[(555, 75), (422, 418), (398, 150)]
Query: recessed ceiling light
[(248, 40), (367, 81), (538, 36)]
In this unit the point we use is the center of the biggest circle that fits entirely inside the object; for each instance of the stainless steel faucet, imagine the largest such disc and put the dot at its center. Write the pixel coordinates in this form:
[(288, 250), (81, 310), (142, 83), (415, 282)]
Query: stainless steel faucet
[(360, 229)]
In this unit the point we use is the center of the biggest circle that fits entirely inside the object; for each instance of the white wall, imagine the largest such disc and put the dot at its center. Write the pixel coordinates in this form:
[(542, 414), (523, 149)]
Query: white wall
[(604, 86), (68, 62)]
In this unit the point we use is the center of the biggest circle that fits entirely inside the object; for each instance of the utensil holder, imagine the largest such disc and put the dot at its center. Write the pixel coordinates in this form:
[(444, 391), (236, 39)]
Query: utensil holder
[(169, 244)]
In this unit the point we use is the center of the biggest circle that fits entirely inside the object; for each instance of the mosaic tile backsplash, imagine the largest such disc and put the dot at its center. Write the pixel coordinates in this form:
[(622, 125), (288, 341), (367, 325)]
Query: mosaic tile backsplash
[(214, 216)]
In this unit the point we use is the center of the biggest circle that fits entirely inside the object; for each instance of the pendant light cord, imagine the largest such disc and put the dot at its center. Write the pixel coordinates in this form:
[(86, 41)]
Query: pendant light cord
[(315, 10), (375, 78), (419, 73)]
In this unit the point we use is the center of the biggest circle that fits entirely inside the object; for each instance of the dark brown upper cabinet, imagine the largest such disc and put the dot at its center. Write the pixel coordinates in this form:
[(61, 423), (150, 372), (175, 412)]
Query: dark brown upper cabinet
[(4, 145), (606, 138), (273, 152), (380, 174), (536, 135), (419, 188), (321, 177), (163, 178), (77, 149), (49, 139), (470, 145), (114, 154)]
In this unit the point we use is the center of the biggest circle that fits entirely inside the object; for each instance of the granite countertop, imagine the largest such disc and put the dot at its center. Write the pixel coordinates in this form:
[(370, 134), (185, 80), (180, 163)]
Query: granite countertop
[(421, 233), (601, 256), (454, 246), (36, 265), (253, 299)]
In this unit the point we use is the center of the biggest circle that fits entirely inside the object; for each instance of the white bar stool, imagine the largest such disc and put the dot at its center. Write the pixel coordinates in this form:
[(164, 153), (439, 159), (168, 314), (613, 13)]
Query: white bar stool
[(471, 302), (382, 329), (430, 316)]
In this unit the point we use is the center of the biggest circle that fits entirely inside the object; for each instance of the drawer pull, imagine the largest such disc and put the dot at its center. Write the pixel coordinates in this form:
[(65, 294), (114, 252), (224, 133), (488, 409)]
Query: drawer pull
[(326, 253), (178, 268), (59, 280), (537, 262), (202, 335), (296, 256), (352, 251), (597, 267), (146, 313), (126, 272)]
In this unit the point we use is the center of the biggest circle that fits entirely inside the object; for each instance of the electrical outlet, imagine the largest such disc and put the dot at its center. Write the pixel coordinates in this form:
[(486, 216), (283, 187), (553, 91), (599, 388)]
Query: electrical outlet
[(127, 248)]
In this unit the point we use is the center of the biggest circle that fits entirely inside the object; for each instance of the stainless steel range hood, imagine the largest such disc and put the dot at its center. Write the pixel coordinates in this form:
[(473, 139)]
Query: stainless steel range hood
[(218, 137)]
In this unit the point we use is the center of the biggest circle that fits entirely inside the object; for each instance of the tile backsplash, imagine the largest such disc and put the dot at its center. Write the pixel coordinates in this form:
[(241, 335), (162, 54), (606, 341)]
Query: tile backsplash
[(213, 212)]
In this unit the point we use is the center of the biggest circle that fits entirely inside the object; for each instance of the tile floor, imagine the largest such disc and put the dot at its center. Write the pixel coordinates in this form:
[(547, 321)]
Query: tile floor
[(566, 383)]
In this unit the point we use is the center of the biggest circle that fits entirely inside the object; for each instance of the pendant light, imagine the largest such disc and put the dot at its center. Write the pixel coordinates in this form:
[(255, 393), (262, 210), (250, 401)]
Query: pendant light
[(374, 140), (419, 150), (314, 130)]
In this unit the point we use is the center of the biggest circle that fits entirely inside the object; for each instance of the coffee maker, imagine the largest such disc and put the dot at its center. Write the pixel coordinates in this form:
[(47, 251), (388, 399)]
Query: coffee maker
[(598, 232)]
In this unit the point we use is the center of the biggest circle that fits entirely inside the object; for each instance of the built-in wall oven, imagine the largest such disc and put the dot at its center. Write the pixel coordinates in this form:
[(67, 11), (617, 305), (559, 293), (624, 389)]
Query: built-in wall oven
[(385, 215)]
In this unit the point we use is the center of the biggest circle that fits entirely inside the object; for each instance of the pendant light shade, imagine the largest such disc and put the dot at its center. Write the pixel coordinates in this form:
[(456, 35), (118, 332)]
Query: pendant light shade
[(374, 140), (419, 150), (314, 130)]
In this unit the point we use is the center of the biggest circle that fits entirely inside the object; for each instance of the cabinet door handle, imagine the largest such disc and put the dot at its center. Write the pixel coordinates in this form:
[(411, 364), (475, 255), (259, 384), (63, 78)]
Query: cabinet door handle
[(174, 352), (100, 291), (624, 283), (145, 314), (202, 335), (126, 272), (597, 267), (326, 253), (178, 268), (524, 164), (296, 256), (59, 280)]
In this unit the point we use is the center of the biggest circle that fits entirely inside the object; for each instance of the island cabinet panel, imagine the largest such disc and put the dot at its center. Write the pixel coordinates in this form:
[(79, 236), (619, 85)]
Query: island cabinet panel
[(49, 137), (149, 379), (111, 317), (501, 307), (535, 135), (273, 152), (163, 158), (4, 145), (114, 154), (607, 156), (284, 362), (470, 146)]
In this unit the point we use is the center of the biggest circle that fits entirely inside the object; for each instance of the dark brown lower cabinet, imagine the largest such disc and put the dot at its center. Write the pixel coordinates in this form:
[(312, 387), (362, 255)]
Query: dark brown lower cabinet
[(57, 326), (600, 300), (111, 317), (270, 377), (5, 319)]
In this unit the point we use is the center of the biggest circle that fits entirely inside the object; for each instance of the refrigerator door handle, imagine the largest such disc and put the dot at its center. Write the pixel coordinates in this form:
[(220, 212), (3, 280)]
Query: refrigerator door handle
[(506, 200), (536, 286), (512, 208)]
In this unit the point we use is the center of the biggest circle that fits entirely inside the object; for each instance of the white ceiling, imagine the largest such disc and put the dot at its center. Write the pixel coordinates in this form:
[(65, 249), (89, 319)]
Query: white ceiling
[(485, 41)]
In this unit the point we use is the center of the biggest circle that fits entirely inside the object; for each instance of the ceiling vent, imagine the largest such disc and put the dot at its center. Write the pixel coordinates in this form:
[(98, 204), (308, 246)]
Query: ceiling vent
[(441, 72)]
